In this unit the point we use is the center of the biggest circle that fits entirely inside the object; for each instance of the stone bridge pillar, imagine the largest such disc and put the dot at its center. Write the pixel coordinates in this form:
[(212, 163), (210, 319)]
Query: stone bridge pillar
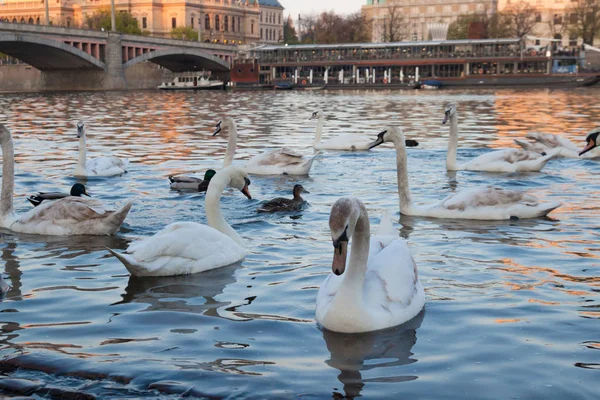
[(115, 74)]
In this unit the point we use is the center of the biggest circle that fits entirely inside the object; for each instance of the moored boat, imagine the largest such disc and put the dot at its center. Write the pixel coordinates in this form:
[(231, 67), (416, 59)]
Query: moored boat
[(423, 65), (192, 81)]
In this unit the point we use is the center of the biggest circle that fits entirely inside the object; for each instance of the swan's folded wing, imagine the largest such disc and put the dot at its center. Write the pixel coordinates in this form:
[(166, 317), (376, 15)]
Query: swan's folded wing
[(102, 164), (69, 209), (396, 275), (289, 152), (550, 140), (185, 243), (487, 197)]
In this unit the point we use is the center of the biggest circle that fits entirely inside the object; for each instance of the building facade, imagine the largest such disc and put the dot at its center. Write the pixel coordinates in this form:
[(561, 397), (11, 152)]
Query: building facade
[(218, 21), (271, 21), (412, 18), (552, 19)]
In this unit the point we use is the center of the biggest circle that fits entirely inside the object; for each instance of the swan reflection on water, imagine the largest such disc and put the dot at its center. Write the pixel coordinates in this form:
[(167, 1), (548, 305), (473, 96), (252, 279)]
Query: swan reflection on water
[(177, 293), (352, 353)]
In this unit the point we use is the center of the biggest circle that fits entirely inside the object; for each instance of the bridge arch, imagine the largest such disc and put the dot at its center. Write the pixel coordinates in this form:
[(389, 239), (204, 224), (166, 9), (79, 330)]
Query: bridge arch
[(180, 60), (46, 54)]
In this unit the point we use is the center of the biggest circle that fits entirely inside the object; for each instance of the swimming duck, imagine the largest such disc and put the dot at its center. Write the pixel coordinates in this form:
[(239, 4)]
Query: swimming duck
[(70, 215), (483, 203), (544, 142), (508, 160), (283, 204), (99, 166), (190, 182), (76, 190), (377, 285), (189, 247)]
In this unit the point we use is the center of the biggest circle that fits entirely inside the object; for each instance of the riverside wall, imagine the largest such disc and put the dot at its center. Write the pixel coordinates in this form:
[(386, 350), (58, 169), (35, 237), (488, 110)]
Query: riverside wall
[(25, 78)]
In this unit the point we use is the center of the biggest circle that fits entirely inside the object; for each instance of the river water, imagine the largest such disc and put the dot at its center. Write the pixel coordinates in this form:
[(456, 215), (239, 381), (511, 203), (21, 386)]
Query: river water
[(513, 308)]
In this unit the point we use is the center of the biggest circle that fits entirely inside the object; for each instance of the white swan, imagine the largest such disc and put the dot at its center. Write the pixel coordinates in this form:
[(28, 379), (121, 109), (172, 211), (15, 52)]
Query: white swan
[(544, 142), (274, 162), (378, 286), (99, 166), (344, 142), (191, 182), (189, 247), (508, 160), (487, 203), (68, 216)]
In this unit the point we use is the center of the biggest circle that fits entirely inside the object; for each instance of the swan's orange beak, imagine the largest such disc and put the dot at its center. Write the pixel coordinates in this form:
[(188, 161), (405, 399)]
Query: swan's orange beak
[(340, 251), (590, 145), (246, 192)]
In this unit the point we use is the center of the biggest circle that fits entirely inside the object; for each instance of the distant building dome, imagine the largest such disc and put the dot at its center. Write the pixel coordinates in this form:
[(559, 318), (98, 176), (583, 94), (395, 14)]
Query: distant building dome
[(438, 30)]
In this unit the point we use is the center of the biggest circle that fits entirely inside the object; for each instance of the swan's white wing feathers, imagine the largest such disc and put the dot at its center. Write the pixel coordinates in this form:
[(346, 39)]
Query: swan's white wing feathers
[(391, 275), (488, 196), (106, 165), (508, 160), (280, 161), (345, 142), (183, 248), (65, 210)]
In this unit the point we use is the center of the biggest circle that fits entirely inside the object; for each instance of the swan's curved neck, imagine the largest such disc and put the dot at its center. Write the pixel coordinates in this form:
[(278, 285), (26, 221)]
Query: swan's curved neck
[(8, 176), (319, 131), (360, 250), (82, 152), (231, 145), (452, 144), (212, 205), (402, 173)]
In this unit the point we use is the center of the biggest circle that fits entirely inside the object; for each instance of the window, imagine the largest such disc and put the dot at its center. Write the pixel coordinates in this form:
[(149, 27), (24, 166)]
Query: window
[(538, 17), (261, 16), (173, 22), (37, 21), (558, 19), (252, 27), (31, 20), (226, 24), (192, 23), (232, 24), (207, 22), (573, 18), (279, 19), (144, 22), (68, 22), (261, 35), (217, 23)]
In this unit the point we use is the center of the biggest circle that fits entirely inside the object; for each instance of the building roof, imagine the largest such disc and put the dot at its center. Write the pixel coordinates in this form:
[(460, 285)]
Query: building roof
[(269, 3), (383, 44)]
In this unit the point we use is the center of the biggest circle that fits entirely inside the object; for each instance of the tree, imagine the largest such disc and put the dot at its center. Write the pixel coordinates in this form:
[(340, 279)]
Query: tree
[(329, 27), (497, 25), (557, 25), (459, 29), (584, 19), (308, 24), (395, 25), (358, 29), (185, 33), (289, 32), (126, 23), (522, 18)]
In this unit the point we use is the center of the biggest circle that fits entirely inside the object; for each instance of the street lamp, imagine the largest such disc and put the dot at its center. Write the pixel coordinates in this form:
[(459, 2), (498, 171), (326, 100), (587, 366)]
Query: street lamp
[(113, 23), (47, 12)]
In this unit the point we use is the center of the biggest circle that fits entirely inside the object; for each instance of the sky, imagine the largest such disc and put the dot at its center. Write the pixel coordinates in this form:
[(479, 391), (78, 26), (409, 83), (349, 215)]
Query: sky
[(295, 7)]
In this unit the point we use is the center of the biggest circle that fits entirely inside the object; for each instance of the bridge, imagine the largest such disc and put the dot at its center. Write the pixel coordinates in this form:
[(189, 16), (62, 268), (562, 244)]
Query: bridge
[(100, 60)]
